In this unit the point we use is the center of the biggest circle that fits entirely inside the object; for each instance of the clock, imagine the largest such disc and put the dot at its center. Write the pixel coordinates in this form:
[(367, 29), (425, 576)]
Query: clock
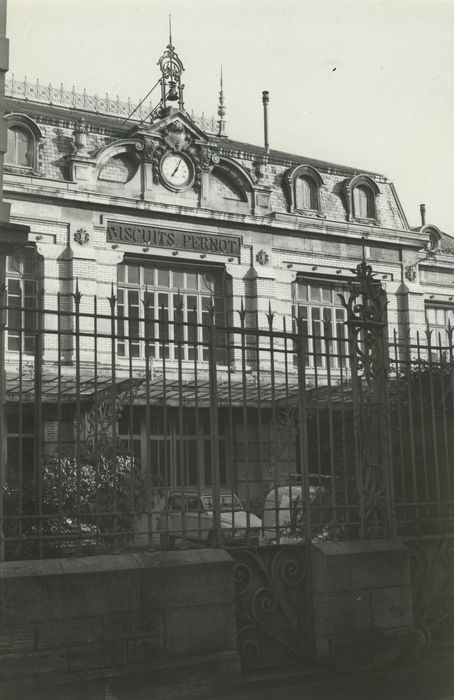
[(176, 171)]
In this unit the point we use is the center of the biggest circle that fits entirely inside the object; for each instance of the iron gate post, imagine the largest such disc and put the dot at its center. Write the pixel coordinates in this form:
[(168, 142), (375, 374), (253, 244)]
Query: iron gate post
[(367, 333), (214, 426)]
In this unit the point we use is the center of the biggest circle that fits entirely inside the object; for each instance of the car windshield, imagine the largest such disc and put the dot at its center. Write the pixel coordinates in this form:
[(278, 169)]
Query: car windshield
[(228, 502)]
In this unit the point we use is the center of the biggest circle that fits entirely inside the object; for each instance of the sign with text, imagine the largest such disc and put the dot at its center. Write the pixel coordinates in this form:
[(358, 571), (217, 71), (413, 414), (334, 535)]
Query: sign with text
[(154, 236)]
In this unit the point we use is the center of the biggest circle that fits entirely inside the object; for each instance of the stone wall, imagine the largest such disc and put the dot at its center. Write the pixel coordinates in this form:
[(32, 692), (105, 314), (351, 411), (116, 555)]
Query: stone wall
[(107, 615), (363, 610)]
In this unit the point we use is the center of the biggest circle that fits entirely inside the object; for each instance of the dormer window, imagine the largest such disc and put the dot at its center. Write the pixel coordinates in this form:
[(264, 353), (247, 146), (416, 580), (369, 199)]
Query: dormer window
[(24, 136), (302, 185), (361, 193), (19, 150), (363, 202)]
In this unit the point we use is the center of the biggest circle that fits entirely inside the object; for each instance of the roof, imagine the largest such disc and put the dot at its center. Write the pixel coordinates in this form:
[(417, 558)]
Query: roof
[(283, 155), (121, 126)]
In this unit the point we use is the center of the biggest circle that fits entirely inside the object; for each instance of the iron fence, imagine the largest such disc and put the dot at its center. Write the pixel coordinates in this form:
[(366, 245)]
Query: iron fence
[(186, 433)]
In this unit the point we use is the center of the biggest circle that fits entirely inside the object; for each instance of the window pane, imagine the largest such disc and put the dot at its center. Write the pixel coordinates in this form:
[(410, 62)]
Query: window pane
[(163, 278), (22, 145), (363, 202), (149, 276), (10, 152), (316, 293), (327, 315), (133, 274), (206, 283), (28, 263), (14, 287), (178, 279), (302, 292), (303, 194), (13, 263), (326, 294), (430, 315)]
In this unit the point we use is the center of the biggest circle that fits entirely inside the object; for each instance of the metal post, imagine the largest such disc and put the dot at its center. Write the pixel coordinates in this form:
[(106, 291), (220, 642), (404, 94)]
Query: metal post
[(214, 428), (265, 101), (367, 324), (3, 436)]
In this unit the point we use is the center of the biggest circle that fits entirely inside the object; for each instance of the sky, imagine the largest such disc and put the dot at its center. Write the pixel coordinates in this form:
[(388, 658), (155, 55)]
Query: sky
[(364, 83)]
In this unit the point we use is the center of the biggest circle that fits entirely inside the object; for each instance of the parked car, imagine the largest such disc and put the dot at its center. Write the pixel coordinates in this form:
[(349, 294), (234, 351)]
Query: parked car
[(191, 515), (283, 514)]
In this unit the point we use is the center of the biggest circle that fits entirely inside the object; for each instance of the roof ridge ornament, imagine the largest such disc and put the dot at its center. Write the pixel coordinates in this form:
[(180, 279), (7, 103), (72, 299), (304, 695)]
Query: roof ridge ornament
[(221, 108), (171, 68)]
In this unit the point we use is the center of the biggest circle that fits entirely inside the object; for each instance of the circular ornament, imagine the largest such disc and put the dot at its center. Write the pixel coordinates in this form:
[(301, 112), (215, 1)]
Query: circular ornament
[(177, 171)]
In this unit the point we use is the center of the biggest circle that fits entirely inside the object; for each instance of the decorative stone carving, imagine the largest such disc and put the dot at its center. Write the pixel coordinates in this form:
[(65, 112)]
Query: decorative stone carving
[(176, 136), (205, 158), (262, 257), (149, 151), (410, 273), (80, 134), (81, 236)]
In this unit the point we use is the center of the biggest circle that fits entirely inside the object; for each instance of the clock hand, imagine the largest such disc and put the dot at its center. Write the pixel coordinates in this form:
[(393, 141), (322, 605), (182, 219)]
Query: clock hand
[(179, 163)]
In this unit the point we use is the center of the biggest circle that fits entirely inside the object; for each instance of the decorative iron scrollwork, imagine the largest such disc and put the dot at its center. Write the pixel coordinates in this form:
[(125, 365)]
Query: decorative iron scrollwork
[(367, 322), (432, 576), (366, 317), (271, 605)]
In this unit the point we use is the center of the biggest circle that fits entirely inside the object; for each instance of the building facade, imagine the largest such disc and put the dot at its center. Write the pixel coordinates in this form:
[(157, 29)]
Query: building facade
[(164, 221)]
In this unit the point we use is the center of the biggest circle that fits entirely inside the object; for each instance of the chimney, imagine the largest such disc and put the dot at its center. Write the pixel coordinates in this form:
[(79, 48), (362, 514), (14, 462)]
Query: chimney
[(422, 209), (265, 100)]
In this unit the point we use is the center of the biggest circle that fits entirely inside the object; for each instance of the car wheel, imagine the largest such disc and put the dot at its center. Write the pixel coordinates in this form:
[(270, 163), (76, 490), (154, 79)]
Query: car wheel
[(167, 542)]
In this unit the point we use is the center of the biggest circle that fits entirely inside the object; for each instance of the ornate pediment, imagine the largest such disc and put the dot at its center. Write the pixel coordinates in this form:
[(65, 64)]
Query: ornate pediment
[(176, 129)]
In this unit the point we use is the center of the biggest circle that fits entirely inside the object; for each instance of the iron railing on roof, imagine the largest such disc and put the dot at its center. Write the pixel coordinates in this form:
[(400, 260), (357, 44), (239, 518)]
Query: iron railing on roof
[(35, 91)]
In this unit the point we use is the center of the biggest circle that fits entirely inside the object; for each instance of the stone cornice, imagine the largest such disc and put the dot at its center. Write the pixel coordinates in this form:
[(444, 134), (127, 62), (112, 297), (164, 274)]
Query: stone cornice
[(290, 224)]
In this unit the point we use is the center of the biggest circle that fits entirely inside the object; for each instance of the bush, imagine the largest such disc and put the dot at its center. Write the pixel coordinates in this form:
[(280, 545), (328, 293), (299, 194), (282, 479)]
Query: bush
[(86, 504)]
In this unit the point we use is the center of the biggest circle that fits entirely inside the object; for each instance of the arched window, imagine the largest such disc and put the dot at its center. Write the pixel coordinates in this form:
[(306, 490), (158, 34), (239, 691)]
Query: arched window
[(20, 147), (363, 202), (305, 193)]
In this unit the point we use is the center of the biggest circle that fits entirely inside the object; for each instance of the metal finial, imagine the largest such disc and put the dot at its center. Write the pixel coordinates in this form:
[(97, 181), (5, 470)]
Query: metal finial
[(170, 30), (221, 108)]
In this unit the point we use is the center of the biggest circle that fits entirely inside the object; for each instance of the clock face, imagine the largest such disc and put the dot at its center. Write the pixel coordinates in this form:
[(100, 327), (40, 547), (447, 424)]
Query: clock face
[(176, 171)]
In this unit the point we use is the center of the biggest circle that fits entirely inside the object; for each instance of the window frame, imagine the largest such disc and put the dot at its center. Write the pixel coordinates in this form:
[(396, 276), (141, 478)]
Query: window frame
[(313, 178), (368, 199), (139, 304), (439, 328), (25, 288), (369, 187), (312, 194), (23, 124), (338, 341)]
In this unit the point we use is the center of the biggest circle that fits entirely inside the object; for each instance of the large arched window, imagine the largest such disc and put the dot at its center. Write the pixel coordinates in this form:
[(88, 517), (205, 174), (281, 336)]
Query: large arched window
[(20, 148)]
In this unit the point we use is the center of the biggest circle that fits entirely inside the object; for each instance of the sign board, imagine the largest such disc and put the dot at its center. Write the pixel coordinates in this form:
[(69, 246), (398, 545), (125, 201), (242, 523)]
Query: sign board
[(157, 237)]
